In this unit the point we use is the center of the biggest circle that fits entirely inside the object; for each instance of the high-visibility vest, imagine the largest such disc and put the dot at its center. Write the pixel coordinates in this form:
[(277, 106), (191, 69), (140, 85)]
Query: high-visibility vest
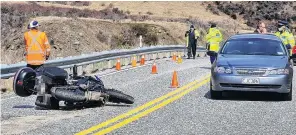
[(287, 38), (37, 47), (214, 37), (196, 35)]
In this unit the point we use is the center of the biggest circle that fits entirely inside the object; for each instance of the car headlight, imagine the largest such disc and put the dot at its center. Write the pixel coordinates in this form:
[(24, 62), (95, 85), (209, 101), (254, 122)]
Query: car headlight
[(223, 70), (281, 71)]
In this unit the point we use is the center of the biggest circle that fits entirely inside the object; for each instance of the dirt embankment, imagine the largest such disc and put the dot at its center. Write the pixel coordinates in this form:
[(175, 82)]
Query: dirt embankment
[(76, 28)]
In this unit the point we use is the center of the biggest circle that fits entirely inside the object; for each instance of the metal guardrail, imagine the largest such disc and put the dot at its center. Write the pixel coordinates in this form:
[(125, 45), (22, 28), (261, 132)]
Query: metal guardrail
[(8, 71)]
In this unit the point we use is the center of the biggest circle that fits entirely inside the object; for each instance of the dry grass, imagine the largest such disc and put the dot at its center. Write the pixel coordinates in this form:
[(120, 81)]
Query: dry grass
[(66, 32), (158, 9), (164, 9)]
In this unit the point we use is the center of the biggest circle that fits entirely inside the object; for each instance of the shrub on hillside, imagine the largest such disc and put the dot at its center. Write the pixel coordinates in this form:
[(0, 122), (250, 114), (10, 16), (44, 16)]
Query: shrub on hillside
[(139, 29), (149, 13), (102, 38), (151, 39)]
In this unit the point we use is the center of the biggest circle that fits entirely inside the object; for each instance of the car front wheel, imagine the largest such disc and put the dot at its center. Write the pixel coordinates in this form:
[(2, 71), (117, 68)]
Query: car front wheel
[(288, 96), (215, 94)]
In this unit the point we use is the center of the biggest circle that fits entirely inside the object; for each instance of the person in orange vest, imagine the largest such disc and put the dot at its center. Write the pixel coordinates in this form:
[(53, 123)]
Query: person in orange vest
[(37, 49)]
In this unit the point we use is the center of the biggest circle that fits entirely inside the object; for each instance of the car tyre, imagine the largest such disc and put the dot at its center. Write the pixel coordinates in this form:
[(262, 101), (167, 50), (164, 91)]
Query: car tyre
[(288, 96), (215, 94)]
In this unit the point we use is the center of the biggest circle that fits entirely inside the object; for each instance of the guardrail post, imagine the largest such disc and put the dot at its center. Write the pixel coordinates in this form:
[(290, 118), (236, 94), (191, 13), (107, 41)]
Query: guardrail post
[(161, 55), (150, 56), (182, 53), (109, 64), (168, 54), (158, 56), (74, 71), (138, 58), (154, 56), (126, 61)]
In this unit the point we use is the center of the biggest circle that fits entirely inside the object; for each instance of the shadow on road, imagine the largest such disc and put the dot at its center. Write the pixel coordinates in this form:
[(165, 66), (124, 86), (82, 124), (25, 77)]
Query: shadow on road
[(77, 107), (23, 106), (248, 96), (205, 67), (118, 105)]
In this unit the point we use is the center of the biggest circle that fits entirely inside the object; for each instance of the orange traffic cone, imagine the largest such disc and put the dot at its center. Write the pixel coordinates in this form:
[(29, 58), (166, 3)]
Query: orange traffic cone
[(118, 64), (179, 59), (154, 69), (134, 62), (174, 57), (142, 62), (175, 83)]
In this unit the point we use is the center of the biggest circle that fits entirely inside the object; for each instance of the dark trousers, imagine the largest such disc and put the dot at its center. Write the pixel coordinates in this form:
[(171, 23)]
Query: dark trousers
[(191, 50), (212, 58)]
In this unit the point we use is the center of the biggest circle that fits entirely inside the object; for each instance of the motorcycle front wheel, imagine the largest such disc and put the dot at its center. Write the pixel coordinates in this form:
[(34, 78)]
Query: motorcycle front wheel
[(116, 96)]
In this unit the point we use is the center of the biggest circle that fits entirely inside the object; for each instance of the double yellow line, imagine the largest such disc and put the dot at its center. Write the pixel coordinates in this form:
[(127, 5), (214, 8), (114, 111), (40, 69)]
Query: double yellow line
[(172, 96)]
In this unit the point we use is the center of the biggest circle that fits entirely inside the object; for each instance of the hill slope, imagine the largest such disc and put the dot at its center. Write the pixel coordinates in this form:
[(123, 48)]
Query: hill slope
[(82, 27)]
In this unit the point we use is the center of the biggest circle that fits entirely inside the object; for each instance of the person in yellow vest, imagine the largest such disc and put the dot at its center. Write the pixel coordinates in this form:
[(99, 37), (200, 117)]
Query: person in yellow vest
[(191, 40), (37, 48), (213, 39), (285, 35)]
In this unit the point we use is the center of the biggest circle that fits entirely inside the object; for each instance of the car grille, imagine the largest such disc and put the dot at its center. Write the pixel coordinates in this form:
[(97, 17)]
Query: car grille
[(250, 71), (249, 85)]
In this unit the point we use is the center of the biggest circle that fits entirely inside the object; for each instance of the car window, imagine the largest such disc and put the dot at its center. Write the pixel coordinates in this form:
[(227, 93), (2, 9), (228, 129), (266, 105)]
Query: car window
[(253, 47)]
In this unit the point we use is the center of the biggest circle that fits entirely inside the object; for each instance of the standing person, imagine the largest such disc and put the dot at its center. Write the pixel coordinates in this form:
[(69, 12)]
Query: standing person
[(191, 39), (261, 28), (213, 38), (284, 34), (37, 48)]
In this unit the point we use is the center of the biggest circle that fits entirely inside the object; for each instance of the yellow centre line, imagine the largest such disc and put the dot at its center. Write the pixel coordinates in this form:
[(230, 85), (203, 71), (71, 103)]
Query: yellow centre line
[(152, 109), (136, 110)]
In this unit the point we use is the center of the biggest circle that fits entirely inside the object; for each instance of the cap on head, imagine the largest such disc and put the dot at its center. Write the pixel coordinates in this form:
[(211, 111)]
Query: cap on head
[(34, 24), (213, 25), (282, 23)]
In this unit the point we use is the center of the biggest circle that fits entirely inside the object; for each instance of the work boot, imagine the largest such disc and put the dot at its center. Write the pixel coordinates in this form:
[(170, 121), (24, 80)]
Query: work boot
[(188, 57), (193, 57)]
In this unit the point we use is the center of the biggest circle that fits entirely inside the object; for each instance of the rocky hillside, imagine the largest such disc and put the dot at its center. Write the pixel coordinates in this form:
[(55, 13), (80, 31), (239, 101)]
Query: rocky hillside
[(82, 27), (252, 12)]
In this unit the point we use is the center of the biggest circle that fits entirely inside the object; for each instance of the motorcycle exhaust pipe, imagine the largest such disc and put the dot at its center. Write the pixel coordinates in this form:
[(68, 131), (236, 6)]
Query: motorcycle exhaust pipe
[(77, 95)]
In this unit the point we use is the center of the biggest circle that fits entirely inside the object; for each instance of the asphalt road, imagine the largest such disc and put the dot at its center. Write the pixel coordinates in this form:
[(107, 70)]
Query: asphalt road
[(190, 111)]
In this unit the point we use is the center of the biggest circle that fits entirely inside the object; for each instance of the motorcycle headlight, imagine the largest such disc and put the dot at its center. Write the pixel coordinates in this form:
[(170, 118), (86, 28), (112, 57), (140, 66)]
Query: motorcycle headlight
[(223, 70), (281, 71)]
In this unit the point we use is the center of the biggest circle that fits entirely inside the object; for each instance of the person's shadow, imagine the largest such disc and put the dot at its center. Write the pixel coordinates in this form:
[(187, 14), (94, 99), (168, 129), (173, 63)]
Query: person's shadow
[(81, 107), (23, 106), (209, 68)]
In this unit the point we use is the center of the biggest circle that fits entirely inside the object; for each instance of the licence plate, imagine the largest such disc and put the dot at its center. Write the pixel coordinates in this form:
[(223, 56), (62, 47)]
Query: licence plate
[(250, 81)]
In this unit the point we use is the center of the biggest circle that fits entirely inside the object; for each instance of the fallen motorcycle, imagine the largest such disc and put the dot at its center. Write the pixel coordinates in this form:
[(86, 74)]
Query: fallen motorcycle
[(53, 84)]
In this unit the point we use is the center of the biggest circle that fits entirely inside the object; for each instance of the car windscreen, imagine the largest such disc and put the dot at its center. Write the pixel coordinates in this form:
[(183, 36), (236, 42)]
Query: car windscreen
[(253, 46)]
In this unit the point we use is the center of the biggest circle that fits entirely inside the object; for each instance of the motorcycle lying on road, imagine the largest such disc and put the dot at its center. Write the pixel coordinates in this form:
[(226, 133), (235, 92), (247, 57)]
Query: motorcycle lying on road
[(53, 84)]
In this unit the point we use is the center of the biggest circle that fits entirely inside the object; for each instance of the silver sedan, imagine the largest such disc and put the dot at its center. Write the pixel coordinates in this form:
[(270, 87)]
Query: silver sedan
[(252, 62)]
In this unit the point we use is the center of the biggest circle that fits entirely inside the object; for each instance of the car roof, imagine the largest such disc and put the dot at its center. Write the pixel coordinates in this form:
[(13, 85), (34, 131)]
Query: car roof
[(254, 35)]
